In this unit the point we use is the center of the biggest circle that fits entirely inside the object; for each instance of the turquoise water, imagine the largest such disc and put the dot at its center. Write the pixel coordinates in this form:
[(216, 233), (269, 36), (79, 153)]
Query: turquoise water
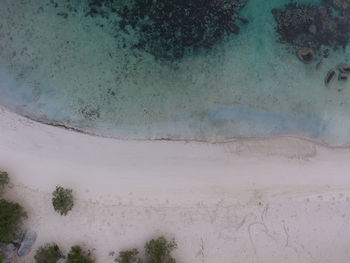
[(80, 72)]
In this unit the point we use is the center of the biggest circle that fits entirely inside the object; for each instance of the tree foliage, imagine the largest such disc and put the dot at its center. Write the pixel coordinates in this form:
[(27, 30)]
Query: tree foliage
[(11, 216), (159, 250), (62, 200), (128, 256), (50, 253), (156, 251), (77, 255), (4, 180)]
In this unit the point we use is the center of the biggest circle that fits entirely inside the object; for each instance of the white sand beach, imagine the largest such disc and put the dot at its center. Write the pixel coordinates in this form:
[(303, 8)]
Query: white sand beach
[(261, 200), (277, 199)]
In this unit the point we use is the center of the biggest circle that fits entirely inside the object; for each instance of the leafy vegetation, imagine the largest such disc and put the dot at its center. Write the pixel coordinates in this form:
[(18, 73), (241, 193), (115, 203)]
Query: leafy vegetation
[(77, 255), (11, 216), (128, 256), (4, 180), (62, 200), (156, 251), (50, 253), (159, 250)]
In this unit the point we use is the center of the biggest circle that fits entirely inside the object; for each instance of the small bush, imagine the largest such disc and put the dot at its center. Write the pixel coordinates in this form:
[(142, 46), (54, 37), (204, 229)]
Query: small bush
[(50, 253), (159, 251), (4, 180), (76, 255), (128, 256), (11, 216), (62, 200)]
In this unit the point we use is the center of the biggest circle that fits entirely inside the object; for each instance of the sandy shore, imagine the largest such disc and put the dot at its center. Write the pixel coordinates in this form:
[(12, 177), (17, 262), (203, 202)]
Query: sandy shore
[(260, 200)]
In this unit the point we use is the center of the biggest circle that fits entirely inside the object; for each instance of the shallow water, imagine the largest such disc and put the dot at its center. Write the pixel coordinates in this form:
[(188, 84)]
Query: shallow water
[(76, 72)]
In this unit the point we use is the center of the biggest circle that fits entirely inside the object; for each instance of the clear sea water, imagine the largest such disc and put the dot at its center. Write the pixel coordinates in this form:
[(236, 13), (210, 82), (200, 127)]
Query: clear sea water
[(76, 72)]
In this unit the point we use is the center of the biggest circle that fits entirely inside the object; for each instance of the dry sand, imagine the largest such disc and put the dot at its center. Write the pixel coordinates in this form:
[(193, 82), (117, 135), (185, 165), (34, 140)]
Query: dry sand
[(262, 200)]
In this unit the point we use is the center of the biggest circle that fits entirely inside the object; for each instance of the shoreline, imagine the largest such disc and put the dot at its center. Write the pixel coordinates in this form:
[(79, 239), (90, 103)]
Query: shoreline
[(214, 141), (205, 96), (249, 200)]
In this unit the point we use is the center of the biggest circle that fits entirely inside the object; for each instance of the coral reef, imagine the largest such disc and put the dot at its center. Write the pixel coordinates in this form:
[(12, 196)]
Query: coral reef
[(342, 6), (314, 26), (167, 28)]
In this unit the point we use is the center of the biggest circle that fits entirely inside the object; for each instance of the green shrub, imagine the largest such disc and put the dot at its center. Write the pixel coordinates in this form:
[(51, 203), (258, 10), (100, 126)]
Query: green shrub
[(50, 253), (76, 255), (4, 180), (11, 216), (128, 256), (62, 200), (159, 251)]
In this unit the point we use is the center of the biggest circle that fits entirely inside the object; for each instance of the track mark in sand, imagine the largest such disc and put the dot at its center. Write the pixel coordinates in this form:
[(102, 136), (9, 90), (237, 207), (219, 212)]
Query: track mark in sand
[(200, 253)]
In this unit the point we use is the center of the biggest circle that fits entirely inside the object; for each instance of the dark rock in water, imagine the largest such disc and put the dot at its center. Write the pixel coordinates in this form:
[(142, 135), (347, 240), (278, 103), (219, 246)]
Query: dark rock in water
[(306, 55), (232, 27), (27, 243), (313, 26), (64, 15), (8, 252), (243, 20), (167, 28), (344, 68), (342, 76), (329, 77)]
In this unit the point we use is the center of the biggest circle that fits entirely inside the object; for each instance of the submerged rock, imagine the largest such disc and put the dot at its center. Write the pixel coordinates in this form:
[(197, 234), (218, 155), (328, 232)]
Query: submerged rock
[(344, 68), (329, 77), (342, 76), (27, 243), (243, 20), (306, 55)]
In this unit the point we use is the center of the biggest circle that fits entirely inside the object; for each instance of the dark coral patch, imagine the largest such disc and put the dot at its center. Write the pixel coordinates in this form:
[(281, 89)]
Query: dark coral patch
[(168, 28), (314, 26)]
